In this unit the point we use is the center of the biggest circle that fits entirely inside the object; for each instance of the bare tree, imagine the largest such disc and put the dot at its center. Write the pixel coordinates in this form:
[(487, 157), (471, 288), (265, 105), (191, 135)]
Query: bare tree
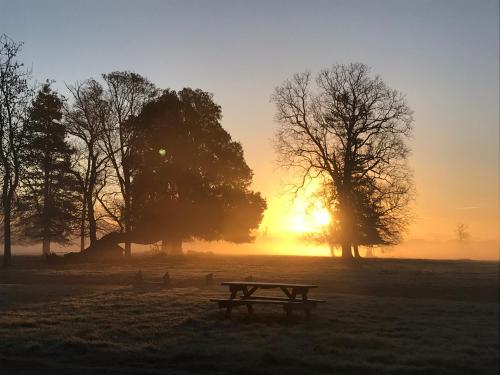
[(462, 232), (126, 93), (15, 100), (349, 130), (86, 118)]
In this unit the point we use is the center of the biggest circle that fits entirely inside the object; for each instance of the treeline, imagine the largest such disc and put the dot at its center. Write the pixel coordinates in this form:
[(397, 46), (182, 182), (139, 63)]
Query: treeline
[(118, 155)]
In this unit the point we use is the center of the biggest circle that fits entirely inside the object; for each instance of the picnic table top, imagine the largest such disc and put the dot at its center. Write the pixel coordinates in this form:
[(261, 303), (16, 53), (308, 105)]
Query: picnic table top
[(268, 285)]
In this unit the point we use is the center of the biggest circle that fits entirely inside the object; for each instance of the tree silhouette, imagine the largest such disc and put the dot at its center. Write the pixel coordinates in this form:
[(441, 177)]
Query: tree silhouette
[(15, 100), (462, 232), (126, 93), (374, 227), (49, 191), (85, 119), (190, 179), (349, 132)]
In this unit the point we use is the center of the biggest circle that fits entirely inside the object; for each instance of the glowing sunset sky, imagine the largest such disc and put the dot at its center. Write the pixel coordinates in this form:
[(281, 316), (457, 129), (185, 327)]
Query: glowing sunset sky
[(443, 54)]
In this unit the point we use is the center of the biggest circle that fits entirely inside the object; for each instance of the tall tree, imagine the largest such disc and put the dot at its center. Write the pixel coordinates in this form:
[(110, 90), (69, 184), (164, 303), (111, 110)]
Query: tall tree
[(15, 99), (350, 131), (190, 178), (126, 93), (49, 189), (85, 118)]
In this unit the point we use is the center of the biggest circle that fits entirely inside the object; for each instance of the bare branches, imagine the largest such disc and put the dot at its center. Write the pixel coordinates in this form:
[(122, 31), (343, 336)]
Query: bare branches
[(97, 121), (350, 129), (15, 100), (86, 119)]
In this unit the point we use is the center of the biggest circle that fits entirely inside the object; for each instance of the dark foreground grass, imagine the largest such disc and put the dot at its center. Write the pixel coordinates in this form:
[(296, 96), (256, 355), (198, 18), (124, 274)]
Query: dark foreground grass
[(382, 317)]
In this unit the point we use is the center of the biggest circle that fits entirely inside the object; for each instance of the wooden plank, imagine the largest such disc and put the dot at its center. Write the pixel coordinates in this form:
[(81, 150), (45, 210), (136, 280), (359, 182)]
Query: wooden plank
[(242, 302), (285, 299), (268, 285), (288, 305)]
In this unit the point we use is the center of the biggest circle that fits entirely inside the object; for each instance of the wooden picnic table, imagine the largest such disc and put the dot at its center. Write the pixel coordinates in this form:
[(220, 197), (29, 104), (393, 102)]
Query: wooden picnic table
[(289, 300)]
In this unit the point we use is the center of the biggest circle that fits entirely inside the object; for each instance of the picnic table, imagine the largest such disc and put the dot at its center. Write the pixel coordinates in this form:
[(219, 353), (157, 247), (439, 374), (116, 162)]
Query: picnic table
[(295, 296)]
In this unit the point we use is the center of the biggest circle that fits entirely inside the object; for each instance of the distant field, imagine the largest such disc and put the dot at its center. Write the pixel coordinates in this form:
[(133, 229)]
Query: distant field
[(382, 317)]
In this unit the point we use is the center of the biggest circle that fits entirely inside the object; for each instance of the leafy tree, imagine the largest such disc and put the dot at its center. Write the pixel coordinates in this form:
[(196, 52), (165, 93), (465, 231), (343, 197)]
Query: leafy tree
[(190, 178), (350, 131), (49, 189), (15, 100)]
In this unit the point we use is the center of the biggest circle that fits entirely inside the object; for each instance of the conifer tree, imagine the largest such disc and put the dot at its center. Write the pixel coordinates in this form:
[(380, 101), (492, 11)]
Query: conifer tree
[(49, 190)]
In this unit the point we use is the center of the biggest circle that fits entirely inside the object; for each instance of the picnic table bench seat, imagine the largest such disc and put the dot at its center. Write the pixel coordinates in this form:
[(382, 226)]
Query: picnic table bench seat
[(295, 296)]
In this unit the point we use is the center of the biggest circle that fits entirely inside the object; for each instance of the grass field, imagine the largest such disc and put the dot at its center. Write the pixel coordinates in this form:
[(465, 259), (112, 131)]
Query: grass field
[(382, 317)]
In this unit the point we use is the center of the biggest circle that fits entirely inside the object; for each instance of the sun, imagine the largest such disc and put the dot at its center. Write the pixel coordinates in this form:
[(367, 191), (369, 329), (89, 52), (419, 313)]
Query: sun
[(308, 218), (294, 218)]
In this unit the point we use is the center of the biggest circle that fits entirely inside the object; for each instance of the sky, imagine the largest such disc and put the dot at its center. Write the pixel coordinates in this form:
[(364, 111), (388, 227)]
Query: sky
[(444, 55)]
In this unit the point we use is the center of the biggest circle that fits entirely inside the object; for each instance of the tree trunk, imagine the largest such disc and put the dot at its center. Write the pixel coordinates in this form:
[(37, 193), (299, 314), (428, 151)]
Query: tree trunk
[(46, 202), (7, 204), (7, 254), (346, 223), (172, 247), (332, 249), (346, 251), (46, 246), (128, 249), (82, 228), (356, 251), (128, 245), (92, 223)]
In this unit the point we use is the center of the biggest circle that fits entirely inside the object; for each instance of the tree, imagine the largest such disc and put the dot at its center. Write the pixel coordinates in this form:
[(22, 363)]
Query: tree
[(85, 119), (462, 232), (15, 99), (190, 178), (49, 189), (126, 93), (349, 131)]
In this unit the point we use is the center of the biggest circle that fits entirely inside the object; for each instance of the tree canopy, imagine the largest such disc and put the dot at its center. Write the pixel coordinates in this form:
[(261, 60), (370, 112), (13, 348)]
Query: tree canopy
[(190, 178)]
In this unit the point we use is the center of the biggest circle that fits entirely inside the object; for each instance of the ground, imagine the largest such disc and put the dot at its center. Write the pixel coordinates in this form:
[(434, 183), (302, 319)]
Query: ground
[(382, 317)]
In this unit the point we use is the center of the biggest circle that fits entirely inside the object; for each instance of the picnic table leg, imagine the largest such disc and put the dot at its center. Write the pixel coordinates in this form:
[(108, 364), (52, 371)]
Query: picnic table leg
[(288, 310), (288, 294), (228, 311), (308, 312), (248, 293), (250, 308), (301, 291), (234, 291)]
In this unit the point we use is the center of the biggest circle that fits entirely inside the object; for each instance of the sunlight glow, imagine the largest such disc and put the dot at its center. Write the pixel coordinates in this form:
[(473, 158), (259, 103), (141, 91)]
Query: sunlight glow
[(310, 219)]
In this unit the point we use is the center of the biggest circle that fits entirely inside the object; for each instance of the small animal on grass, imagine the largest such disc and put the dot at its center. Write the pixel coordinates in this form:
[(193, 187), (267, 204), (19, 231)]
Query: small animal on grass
[(166, 279), (138, 279), (209, 278)]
